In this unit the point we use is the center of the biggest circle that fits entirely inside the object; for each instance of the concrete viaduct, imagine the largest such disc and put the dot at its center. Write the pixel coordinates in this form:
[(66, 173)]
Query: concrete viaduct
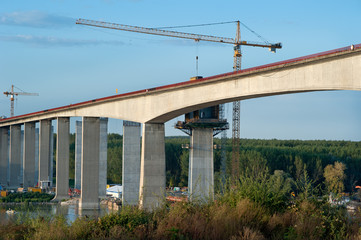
[(338, 69)]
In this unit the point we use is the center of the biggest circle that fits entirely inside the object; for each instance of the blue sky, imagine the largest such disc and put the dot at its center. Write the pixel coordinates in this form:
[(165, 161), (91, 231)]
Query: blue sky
[(44, 51)]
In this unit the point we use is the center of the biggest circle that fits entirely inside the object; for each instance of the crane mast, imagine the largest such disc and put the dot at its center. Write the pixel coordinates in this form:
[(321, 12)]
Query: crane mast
[(12, 98), (236, 107), (237, 42)]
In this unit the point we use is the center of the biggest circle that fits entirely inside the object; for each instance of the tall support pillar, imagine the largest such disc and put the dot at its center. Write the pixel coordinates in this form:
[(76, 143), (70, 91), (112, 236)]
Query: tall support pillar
[(29, 155), (90, 164), (4, 152), (152, 167), (131, 163), (62, 159), (44, 150), (51, 159), (103, 157), (15, 155), (201, 185), (21, 177), (36, 177), (78, 143)]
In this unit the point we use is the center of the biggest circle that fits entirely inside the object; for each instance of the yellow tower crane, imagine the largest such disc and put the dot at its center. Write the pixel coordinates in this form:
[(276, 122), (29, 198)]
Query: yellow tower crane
[(198, 37), (12, 97)]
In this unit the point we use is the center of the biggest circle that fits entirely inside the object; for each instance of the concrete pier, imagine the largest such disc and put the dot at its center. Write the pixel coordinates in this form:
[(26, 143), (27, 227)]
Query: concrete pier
[(29, 155), (90, 164), (21, 177), (44, 150), (4, 153), (103, 157), (78, 143), (62, 159), (51, 159), (201, 183), (152, 168), (131, 163), (36, 177), (15, 155)]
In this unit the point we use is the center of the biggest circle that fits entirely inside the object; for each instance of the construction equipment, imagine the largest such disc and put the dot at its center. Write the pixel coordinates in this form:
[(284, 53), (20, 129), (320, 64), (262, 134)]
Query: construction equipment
[(12, 97), (198, 37)]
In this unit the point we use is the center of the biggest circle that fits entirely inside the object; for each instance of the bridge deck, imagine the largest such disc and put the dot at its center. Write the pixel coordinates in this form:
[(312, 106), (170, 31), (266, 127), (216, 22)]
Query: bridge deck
[(294, 61)]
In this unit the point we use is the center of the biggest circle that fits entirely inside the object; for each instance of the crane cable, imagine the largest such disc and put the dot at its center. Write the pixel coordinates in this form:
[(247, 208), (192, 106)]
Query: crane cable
[(258, 35), (195, 25)]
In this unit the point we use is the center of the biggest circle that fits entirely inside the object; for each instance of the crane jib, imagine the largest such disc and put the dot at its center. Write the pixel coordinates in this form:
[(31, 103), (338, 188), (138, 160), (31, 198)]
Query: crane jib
[(153, 31)]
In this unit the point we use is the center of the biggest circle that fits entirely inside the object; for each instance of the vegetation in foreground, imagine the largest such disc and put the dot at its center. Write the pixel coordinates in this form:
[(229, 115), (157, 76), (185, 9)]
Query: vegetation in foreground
[(257, 206)]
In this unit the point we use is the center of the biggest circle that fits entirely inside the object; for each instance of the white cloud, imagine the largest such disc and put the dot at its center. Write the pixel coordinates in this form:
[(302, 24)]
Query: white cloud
[(35, 19), (55, 41)]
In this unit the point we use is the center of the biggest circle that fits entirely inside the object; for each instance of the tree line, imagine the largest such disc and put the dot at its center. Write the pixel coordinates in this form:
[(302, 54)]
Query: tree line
[(293, 157)]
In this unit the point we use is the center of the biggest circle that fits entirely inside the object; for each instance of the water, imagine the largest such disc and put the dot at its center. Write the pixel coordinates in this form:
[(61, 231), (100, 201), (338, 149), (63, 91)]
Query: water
[(47, 211)]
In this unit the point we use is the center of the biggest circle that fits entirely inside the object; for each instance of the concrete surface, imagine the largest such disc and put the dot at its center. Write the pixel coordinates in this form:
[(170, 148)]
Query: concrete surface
[(29, 155), (131, 163), (62, 159), (152, 167), (90, 164)]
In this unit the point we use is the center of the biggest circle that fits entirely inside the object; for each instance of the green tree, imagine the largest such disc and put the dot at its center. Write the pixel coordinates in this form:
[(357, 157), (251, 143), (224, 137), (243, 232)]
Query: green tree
[(335, 176), (114, 169), (184, 165), (299, 167)]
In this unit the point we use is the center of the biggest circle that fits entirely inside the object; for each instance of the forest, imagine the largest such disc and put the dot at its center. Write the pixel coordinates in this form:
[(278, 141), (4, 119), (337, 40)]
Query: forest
[(293, 157)]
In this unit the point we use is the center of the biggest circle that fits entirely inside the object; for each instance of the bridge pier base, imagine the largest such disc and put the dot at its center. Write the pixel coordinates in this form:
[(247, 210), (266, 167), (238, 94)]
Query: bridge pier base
[(62, 159), (29, 155), (4, 152), (152, 168), (15, 155), (201, 183), (90, 164), (131, 163)]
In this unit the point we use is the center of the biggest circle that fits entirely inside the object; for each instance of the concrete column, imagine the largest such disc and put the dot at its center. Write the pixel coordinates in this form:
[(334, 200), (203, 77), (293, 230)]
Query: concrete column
[(62, 159), (201, 183), (90, 164), (4, 152), (29, 155), (44, 149), (21, 176), (152, 168), (131, 163), (103, 157), (51, 159), (78, 143), (36, 177), (15, 155)]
